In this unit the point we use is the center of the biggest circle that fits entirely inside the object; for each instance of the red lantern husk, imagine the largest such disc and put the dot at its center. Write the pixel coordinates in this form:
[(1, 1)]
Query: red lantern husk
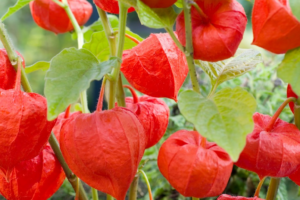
[(7, 71), (193, 166), (153, 113), (272, 153), (217, 30), (111, 6), (104, 149), (24, 126), (156, 67), (274, 26), (35, 179), (52, 17), (227, 197)]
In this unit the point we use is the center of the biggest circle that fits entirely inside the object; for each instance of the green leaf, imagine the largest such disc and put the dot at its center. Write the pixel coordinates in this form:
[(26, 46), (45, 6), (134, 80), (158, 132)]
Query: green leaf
[(42, 65), (282, 193), (156, 18), (224, 118), (289, 69), (100, 48), (20, 4), (97, 26), (242, 62), (70, 73), (179, 4)]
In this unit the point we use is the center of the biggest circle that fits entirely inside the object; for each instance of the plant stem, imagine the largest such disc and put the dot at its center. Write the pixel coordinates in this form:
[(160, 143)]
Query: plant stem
[(108, 197), (13, 56), (175, 39), (297, 115), (189, 53), (69, 174), (110, 35), (95, 194), (273, 188), (115, 85), (261, 182), (278, 112), (194, 198), (147, 182), (133, 188)]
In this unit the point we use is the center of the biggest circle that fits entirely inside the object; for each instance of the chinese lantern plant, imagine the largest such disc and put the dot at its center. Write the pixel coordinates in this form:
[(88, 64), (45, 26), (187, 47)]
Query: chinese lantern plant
[(275, 28), (156, 67), (35, 179), (104, 148), (193, 166), (7, 71), (270, 148), (24, 126), (153, 113), (215, 37), (227, 197), (116, 142), (50, 16)]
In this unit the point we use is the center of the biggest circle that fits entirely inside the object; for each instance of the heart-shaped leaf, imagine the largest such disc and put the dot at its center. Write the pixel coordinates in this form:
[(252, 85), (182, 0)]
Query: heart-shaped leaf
[(224, 118), (157, 17), (70, 73), (244, 61), (289, 69)]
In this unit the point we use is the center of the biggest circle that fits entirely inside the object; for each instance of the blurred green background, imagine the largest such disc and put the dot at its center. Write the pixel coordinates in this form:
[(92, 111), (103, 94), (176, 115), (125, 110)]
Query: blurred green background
[(36, 44)]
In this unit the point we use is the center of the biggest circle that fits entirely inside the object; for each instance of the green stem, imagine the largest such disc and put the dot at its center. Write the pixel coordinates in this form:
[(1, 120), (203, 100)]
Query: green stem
[(13, 56), (95, 194), (110, 34), (297, 115), (194, 198), (108, 197), (189, 53), (175, 39), (121, 40), (115, 86), (133, 188), (147, 182), (273, 188)]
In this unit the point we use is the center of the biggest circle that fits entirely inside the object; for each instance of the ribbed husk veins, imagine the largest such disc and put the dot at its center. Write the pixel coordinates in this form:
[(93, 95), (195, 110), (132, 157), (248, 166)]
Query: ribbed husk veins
[(50, 16), (104, 149), (153, 113), (227, 197), (275, 28), (156, 67), (217, 35), (23, 126), (193, 167), (272, 153), (35, 179), (7, 71), (111, 6)]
